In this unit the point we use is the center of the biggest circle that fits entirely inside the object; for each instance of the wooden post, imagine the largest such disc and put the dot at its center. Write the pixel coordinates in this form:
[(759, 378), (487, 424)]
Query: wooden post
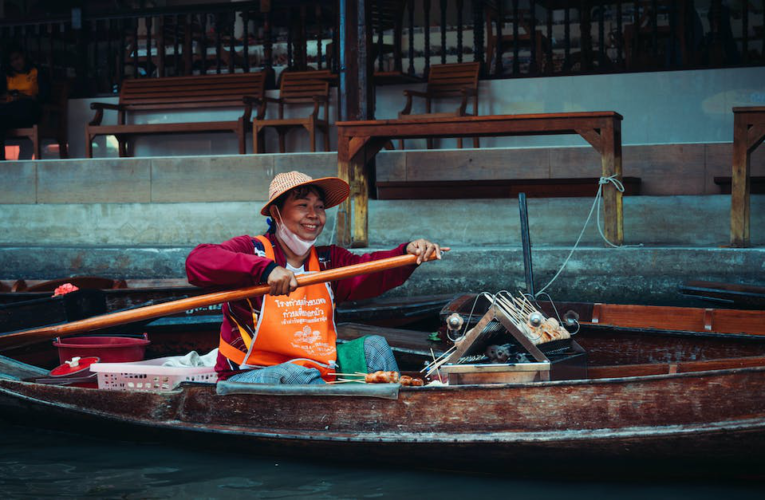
[(360, 198), (356, 95), (611, 154), (740, 185), (748, 133), (344, 210)]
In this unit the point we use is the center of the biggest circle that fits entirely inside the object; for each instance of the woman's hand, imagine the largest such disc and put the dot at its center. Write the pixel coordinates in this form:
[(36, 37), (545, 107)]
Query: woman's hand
[(281, 281), (425, 249)]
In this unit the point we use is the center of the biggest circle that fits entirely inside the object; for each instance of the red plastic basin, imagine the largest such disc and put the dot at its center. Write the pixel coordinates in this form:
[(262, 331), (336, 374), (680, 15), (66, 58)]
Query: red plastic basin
[(109, 349)]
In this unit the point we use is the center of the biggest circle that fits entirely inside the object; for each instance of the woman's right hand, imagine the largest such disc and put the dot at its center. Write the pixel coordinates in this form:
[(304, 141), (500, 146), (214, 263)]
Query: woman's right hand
[(282, 281)]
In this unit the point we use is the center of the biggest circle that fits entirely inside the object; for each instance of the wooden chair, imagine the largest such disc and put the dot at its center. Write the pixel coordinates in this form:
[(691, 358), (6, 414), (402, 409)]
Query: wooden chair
[(639, 36), (304, 87), (526, 38), (236, 90), (447, 81), (53, 124)]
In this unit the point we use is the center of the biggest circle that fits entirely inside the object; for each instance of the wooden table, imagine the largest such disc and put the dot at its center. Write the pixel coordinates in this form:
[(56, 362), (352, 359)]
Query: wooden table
[(360, 141), (748, 133)]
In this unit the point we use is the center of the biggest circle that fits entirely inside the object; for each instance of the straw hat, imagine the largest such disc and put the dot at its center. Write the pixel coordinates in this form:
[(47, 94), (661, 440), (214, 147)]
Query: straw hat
[(335, 189)]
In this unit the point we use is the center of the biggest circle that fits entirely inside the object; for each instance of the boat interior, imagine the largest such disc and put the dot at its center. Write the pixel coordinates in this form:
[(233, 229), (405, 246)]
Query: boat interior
[(474, 346)]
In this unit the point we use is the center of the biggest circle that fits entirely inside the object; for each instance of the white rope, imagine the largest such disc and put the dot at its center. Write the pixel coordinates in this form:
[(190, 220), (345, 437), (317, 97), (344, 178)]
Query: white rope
[(595, 205), (599, 196)]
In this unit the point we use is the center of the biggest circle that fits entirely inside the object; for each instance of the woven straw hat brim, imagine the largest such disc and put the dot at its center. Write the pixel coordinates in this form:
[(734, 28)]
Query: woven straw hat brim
[(335, 190)]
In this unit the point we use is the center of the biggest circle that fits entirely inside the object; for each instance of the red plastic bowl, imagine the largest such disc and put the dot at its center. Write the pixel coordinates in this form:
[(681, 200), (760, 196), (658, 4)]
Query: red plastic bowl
[(109, 349)]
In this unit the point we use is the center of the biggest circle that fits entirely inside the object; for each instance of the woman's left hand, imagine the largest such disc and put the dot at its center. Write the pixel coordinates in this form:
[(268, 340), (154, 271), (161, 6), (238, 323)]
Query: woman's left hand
[(425, 249)]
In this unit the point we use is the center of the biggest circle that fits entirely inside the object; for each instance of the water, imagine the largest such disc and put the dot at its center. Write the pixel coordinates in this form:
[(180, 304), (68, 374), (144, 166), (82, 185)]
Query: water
[(40, 464)]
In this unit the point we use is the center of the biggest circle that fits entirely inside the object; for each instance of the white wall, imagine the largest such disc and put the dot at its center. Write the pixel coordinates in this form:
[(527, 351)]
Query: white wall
[(658, 108)]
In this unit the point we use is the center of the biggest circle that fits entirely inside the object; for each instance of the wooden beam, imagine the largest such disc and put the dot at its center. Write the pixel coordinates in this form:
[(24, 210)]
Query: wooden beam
[(357, 145), (592, 136), (755, 137)]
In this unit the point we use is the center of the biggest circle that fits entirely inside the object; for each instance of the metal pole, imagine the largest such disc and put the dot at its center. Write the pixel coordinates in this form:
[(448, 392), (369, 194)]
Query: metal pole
[(526, 242)]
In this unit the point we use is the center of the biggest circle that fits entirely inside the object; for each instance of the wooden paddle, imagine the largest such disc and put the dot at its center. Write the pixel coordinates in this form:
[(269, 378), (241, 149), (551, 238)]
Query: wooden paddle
[(26, 337)]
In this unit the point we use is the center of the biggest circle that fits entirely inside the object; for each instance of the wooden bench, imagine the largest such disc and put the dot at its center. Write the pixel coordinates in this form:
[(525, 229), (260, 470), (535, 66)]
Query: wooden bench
[(304, 87), (242, 90), (358, 142), (53, 124), (756, 184), (748, 133)]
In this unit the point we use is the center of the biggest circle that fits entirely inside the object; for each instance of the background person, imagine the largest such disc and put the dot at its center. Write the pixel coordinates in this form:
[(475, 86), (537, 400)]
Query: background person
[(22, 91)]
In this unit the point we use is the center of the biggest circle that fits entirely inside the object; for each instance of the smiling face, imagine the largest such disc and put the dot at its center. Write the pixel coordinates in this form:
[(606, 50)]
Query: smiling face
[(302, 213)]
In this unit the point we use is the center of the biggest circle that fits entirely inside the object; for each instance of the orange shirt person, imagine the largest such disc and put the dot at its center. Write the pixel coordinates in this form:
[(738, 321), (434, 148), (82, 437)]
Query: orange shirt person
[(22, 92)]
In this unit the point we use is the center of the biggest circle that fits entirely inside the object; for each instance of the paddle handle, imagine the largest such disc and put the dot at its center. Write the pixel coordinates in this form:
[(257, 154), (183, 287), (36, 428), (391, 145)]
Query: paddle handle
[(26, 337)]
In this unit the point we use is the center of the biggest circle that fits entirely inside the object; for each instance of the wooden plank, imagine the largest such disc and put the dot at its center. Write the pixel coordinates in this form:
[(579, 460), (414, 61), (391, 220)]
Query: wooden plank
[(160, 128), (658, 317), (599, 372), (680, 318), (735, 321), (492, 118), (230, 86), (421, 126)]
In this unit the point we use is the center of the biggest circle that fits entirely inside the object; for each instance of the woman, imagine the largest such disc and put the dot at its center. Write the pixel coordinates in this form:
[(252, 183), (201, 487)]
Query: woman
[(289, 335), (24, 92)]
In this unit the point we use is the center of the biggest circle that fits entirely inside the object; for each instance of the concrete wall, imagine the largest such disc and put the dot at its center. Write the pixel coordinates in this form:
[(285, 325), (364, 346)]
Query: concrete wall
[(627, 275), (687, 169), (659, 108), (139, 218), (676, 221)]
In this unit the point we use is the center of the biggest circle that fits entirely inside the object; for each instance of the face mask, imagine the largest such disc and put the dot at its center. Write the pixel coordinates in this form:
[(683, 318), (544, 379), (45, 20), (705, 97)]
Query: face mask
[(298, 245)]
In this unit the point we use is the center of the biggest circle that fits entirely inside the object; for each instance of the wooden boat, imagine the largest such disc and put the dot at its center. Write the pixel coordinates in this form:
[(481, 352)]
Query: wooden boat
[(684, 402), (631, 317), (738, 296)]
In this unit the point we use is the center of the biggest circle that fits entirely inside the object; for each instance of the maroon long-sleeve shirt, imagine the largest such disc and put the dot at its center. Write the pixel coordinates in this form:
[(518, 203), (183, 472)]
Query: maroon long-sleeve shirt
[(236, 263)]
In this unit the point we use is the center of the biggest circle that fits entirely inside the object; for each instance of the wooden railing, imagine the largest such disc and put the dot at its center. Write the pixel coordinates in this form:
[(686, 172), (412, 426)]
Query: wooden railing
[(514, 38)]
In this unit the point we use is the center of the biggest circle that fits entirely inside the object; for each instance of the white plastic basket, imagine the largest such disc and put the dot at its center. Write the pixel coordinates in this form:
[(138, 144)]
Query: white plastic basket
[(149, 375)]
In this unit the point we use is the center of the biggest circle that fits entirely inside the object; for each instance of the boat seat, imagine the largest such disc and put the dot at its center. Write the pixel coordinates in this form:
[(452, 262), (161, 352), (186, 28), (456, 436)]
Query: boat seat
[(381, 391)]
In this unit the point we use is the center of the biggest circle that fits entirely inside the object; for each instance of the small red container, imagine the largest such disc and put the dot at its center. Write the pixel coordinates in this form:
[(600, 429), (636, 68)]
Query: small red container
[(109, 349), (76, 374)]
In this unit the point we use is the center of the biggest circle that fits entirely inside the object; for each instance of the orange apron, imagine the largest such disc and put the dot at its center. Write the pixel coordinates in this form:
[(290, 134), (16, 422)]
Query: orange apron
[(299, 328)]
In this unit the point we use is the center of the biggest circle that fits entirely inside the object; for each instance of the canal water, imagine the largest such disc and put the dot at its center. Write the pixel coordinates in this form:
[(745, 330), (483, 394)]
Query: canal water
[(45, 464)]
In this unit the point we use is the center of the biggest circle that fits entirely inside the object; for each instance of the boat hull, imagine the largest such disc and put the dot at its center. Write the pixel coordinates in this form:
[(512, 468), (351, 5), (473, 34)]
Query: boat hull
[(714, 416)]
